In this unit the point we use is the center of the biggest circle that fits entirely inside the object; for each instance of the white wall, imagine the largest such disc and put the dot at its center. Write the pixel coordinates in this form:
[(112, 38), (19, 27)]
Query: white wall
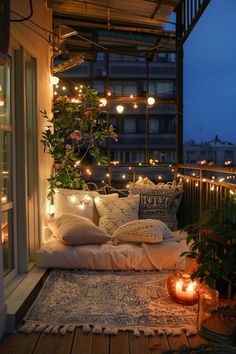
[(24, 33)]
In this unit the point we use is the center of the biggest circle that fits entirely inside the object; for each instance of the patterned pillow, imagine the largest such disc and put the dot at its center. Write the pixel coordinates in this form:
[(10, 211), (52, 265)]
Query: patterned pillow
[(144, 230), (159, 201), (116, 212)]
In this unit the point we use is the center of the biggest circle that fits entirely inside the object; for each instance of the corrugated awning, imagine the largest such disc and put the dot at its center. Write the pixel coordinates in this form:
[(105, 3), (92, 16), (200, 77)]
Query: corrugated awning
[(130, 27)]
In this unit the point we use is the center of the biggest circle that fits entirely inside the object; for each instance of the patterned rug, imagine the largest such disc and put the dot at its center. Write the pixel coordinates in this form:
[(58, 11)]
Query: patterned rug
[(108, 301)]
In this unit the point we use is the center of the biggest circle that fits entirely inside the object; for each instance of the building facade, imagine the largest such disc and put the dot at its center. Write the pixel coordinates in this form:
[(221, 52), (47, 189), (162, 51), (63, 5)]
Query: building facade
[(216, 151)]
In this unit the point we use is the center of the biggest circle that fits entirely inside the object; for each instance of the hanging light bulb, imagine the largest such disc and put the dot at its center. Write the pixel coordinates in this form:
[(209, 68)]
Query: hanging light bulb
[(103, 102), (120, 108), (54, 80), (151, 101)]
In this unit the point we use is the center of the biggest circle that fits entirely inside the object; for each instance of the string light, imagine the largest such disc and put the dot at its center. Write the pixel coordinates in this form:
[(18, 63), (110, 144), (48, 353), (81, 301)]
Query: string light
[(123, 176), (76, 88), (212, 188), (131, 96), (109, 93), (51, 209), (54, 80), (120, 108), (107, 174), (151, 101), (64, 88), (81, 205), (135, 106), (103, 102)]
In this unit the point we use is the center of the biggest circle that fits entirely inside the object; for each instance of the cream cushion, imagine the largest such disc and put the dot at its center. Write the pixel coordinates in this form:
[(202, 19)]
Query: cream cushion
[(144, 230), (70, 201), (116, 212), (76, 230)]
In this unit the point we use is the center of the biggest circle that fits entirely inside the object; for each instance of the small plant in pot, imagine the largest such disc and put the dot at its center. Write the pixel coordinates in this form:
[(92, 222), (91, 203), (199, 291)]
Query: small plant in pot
[(75, 135), (212, 243)]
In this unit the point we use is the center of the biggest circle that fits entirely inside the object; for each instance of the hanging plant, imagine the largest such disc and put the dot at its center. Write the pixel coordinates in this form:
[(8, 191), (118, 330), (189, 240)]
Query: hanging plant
[(75, 132)]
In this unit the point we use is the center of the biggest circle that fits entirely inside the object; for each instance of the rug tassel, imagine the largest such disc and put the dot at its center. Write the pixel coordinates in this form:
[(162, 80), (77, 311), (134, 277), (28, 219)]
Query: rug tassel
[(97, 329), (63, 330), (71, 329), (137, 333), (55, 329), (28, 328), (111, 331), (40, 328), (190, 330), (148, 332), (86, 328), (48, 329)]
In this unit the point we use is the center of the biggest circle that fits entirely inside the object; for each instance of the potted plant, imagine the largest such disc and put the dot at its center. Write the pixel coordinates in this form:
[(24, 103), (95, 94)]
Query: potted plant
[(212, 244), (75, 132)]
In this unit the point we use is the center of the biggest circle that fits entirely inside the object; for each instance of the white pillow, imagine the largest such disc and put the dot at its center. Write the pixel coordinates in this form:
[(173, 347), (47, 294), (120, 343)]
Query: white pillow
[(114, 213), (74, 202), (77, 230), (143, 230)]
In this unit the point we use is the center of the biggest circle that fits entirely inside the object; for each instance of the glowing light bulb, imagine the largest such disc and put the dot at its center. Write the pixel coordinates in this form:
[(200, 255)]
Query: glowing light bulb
[(109, 93), (51, 209), (103, 102), (72, 198), (54, 80), (135, 105), (120, 108), (107, 174), (123, 176), (81, 205), (55, 93), (131, 96), (63, 88), (151, 101), (76, 88)]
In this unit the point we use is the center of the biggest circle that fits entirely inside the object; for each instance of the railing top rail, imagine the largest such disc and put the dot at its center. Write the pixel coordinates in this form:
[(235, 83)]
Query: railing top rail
[(206, 168)]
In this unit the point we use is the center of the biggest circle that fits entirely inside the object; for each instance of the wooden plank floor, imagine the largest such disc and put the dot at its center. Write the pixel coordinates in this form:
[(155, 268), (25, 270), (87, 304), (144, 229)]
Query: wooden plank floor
[(80, 343)]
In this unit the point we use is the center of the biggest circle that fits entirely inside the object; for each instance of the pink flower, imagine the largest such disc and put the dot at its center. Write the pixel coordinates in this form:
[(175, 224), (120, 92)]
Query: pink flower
[(76, 135)]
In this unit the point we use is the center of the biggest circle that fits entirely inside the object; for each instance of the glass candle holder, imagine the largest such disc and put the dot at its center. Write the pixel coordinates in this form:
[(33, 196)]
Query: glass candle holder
[(183, 289)]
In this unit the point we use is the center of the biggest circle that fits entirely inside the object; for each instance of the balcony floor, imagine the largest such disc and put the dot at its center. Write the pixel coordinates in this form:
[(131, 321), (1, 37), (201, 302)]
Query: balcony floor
[(79, 343)]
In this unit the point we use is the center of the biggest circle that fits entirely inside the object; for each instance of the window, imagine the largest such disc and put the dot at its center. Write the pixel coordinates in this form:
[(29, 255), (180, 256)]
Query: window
[(6, 141), (129, 125), (153, 125)]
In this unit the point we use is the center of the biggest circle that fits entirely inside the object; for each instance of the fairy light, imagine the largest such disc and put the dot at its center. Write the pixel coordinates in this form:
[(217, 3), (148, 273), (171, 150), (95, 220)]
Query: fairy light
[(81, 205), (81, 86), (54, 80), (151, 101), (231, 192), (120, 108), (204, 180), (196, 184), (131, 96), (77, 163), (127, 185), (76, 88), (88, 198), (103, 102), (64, 88), (135, 106), (193, 174), (212, 188), (130, 168), (159, 177), (57, 86), (55, 93), (4, 199), (187, 180), (140, 164), (221, 180), (51, 209), (72, 198), (124, 176), (107, 174), (109, 93)]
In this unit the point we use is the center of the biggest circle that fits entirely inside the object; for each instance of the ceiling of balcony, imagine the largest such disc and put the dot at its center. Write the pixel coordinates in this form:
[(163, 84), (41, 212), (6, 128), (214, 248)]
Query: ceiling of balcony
[(131, 27)]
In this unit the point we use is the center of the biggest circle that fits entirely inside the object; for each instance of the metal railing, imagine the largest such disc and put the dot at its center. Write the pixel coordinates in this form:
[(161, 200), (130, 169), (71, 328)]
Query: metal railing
[(204, 186)]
